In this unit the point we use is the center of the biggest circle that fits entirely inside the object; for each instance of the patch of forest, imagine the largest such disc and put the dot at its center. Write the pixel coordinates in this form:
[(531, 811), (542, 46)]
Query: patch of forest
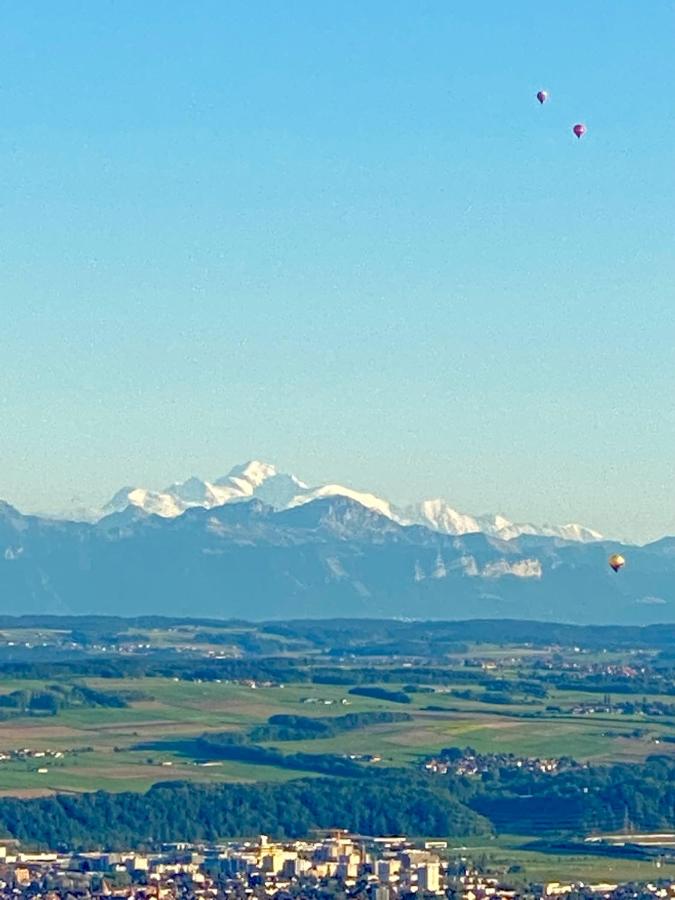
[(51, 699), (306, 728)]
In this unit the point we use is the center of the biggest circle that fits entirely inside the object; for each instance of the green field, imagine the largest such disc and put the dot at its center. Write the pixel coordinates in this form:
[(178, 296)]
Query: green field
[(122, 731), (154, 739), (135, 747), (506, 852)]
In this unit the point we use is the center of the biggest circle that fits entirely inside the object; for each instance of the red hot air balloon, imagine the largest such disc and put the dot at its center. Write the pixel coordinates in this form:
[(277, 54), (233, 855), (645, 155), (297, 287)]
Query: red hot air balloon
[(579, 130), (542, 96)]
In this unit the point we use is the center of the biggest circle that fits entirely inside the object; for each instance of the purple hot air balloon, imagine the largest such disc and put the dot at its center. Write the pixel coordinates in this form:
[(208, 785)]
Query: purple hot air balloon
[(542, 96), (579, 130)]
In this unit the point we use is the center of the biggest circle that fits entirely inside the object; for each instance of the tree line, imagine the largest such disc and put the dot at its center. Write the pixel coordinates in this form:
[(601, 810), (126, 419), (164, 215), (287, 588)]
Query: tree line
[(576, 801)]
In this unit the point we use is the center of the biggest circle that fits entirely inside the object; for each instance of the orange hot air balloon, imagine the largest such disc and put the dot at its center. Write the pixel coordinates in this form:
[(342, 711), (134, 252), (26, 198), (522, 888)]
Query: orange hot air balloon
[(616, 561)]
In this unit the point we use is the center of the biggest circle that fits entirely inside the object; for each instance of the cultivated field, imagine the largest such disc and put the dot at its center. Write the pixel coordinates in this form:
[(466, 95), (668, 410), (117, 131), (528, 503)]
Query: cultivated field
[(154, 739)]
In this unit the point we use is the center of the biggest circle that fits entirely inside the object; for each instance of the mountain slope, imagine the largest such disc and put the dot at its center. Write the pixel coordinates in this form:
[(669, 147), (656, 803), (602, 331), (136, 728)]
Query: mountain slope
[(328, 557)]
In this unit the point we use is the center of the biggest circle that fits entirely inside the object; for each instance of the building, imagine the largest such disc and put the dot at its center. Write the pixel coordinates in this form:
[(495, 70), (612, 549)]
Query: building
[(429, 877)]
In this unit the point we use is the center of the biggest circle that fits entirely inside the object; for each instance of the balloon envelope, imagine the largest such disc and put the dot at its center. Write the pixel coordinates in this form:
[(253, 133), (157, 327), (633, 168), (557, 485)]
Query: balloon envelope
[(542, 96), (579, 130), (616, 561)]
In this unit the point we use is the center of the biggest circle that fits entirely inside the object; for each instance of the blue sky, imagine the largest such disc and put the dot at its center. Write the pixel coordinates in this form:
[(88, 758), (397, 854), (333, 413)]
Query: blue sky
[(344, 237)]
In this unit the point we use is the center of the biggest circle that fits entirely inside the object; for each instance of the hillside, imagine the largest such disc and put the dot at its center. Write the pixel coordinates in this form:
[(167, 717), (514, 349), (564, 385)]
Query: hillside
[(330, 556)]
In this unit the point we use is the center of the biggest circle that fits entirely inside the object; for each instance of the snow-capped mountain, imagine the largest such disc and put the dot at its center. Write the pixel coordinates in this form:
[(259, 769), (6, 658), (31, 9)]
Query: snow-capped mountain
[(252, 479), (331, 556), (370, 501), (279, 490), (440, 516), (156, 502)]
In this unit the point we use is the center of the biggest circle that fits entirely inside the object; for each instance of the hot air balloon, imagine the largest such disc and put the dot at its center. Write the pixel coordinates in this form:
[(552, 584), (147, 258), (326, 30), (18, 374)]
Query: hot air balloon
[(579, 130), (616, 561), (542, 96)]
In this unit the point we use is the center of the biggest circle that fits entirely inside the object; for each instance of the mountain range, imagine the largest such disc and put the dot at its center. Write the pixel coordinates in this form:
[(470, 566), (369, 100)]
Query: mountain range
[(261, 481), (320, 556)]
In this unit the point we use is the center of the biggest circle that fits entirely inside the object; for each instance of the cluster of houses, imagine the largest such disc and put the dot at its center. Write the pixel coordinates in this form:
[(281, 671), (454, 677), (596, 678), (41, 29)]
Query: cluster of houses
[(326, 701), (621, 670), (470, 762), (39, 757), (610, 890), (27, 753)]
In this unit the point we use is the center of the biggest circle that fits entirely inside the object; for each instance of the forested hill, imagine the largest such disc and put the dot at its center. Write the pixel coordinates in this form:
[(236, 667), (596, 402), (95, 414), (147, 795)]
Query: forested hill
[(174, 812), (577, 801)]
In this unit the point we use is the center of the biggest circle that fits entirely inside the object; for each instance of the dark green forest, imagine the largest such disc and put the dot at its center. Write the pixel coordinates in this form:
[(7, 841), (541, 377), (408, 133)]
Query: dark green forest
[(171, 812), (306, 728), (574, 803)]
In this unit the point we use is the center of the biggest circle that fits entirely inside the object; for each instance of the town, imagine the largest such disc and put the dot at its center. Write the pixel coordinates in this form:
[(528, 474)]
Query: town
[(334, 864)]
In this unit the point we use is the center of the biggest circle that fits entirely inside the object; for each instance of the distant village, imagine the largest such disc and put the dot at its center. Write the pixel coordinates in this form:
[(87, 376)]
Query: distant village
[(470, 762)]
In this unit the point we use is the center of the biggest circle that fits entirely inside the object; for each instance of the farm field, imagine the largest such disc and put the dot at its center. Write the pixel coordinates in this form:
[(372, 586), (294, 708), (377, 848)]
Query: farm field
[(117, 707), (153, 739)]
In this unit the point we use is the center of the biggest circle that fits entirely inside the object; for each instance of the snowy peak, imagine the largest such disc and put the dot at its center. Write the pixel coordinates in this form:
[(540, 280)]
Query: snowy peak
[(370, 501), (252, 479), (573, 532), (252, 472), (193, 491), (157, 503), (257, 480), (439, 516)]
